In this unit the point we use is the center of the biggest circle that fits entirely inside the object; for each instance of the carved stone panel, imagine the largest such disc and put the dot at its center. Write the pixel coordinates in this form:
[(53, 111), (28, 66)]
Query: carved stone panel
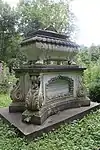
[(59, 87), (34, 99), (81, 91), (16, 93)]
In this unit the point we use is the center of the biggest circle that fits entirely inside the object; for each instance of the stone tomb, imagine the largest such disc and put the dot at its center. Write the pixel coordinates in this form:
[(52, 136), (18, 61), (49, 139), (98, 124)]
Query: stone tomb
[(44, 89)]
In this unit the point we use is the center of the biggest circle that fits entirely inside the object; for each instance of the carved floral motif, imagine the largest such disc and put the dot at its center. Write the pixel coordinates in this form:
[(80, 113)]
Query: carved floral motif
[(33, 99)]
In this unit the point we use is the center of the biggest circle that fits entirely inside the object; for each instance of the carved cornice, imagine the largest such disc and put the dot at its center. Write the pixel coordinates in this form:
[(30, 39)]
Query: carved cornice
[(48, 68)]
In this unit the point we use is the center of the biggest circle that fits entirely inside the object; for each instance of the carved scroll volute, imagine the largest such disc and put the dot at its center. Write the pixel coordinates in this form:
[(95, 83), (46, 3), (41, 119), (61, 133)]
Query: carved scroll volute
[(34, 99), (16, 94), (81, 92)]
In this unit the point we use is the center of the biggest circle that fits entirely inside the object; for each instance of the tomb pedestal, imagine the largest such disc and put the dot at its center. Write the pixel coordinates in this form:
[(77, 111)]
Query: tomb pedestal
[(43, 90)]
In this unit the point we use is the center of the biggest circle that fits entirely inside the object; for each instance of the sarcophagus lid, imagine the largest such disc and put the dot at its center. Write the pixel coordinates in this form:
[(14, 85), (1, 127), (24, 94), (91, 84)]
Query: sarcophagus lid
[(48, 44)]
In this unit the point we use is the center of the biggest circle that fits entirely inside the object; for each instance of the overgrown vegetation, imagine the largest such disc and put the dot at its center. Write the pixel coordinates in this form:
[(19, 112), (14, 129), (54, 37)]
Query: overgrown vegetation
[(90, 58), (7, 80), (94, 90), (4, 100), (79, 135)]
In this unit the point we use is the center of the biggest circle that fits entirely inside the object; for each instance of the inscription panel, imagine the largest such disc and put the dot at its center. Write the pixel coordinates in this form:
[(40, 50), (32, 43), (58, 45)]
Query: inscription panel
[(59, 87)]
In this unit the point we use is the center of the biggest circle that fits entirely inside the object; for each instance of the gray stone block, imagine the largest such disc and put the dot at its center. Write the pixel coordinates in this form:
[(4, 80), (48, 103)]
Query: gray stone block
[(17, 107)]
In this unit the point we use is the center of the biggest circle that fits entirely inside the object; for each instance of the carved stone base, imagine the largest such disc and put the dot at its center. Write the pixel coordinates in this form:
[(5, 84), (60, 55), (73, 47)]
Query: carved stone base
[(38, 117), (42, 91), (17, 107)]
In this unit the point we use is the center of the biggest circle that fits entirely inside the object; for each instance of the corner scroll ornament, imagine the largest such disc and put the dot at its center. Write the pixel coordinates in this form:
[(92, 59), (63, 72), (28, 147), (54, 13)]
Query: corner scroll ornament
[(16, 93), (81, 92), (34, 100)]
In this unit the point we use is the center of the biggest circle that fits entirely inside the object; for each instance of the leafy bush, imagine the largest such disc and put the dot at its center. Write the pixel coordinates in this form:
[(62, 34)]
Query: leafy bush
[(94, 90), (6, 80), (4, 86), (5, 100), (91, 73)]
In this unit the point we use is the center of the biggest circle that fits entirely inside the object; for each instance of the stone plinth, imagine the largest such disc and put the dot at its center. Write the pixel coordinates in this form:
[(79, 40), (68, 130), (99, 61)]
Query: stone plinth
[(51, 123), (44, 90)]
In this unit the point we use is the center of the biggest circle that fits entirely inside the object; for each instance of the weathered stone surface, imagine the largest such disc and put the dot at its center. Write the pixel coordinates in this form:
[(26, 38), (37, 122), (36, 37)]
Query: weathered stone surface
[(34, 98), (48, 93), (16, 94), (58, 87), (31, 130), (38, 117), (46, 89), (48, 45)]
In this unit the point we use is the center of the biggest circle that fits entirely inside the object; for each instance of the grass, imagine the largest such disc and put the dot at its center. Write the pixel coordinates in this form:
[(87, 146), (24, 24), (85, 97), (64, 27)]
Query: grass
[(79, 135), (4, 100)]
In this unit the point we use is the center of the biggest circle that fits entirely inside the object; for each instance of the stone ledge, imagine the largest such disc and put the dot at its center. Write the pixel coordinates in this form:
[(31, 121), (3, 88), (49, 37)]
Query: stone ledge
[(48, 68), (31, 130)]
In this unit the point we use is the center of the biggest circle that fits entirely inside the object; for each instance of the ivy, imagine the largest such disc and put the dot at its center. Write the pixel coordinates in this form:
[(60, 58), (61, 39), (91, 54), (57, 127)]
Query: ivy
[(79, 135)]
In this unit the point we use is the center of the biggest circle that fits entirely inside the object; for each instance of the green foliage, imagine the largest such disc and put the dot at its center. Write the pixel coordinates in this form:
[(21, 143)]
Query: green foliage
[(6, 80), (43, 13), (92, 73), (94, 53), (83, 57), (94, 90), (90, 58), (8, 35), (4, 86), (4, 100), (79, 135), (89, 54)]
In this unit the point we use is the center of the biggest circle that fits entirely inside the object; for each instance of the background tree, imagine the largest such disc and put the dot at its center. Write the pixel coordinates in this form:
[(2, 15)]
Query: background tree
[(26, 18), (38, 14), (8, 33)]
